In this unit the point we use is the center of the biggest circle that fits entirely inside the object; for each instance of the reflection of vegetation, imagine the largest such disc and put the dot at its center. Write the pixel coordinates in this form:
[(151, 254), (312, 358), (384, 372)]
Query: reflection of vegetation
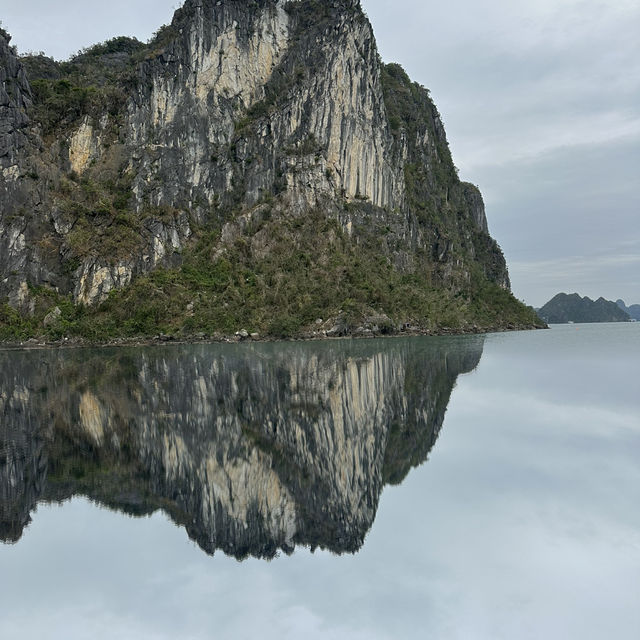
[(116, 481), (115, 450), (318, 525), (410, 440)]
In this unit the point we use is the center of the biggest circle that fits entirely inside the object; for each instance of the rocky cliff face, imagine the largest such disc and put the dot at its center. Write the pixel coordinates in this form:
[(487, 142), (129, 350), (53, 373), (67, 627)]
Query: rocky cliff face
[(19, 195), (284, 91), (15, 99), (251, 448), (235, 120)]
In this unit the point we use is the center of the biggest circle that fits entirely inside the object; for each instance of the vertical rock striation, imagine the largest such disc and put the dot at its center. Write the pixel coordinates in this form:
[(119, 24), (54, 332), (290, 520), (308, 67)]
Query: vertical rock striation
[(235, 119), (15, 99), (298, 98), (251, 449)]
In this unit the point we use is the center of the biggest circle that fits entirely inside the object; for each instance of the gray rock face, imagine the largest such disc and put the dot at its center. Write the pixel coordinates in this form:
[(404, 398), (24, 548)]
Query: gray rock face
[(22, 194), (15, 98), (234, 104), (252, 448), (215, 93), (52, 317), (474, 199), (23, 461), (35, 231)]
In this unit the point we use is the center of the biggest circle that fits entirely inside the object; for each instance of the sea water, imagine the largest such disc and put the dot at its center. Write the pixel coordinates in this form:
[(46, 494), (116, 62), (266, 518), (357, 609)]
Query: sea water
[(471, 487)]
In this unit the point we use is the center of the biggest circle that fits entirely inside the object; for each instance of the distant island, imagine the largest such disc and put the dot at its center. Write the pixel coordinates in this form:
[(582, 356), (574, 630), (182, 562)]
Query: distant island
[(633, 310), (565, 308)]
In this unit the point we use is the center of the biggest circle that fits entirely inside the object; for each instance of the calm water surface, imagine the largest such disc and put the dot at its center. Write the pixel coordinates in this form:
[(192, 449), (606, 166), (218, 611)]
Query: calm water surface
[(474, 487)]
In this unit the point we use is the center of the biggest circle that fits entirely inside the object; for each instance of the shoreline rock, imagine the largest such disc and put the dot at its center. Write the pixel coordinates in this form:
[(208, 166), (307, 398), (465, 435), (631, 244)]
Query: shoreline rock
[(238, 338)]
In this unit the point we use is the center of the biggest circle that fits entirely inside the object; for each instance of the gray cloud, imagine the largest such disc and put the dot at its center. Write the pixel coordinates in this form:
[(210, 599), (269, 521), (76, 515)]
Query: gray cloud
[(541, 103)]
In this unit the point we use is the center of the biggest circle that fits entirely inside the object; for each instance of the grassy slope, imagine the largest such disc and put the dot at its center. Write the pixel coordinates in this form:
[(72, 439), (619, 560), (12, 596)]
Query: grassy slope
[(311, 271)]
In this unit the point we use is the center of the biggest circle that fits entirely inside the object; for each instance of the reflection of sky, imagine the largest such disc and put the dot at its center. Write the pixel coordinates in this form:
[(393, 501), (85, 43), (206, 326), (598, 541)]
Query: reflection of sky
[(523, 524)]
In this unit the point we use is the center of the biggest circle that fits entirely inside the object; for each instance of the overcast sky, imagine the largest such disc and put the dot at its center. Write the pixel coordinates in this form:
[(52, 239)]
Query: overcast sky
[(541, 102)]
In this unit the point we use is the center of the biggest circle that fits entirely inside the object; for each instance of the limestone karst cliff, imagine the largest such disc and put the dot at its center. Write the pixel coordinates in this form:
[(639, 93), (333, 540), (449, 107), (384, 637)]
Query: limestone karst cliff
[(252, 448), (255, 164), (563, 308)]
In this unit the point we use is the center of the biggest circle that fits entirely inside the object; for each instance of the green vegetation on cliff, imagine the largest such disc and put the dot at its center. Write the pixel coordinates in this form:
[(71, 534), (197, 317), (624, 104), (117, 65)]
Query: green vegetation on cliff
[(95, 81), (311, 272), (153, 197)]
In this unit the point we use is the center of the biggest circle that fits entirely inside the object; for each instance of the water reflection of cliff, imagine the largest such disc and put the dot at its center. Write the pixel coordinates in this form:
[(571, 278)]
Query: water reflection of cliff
[(252, 448)]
